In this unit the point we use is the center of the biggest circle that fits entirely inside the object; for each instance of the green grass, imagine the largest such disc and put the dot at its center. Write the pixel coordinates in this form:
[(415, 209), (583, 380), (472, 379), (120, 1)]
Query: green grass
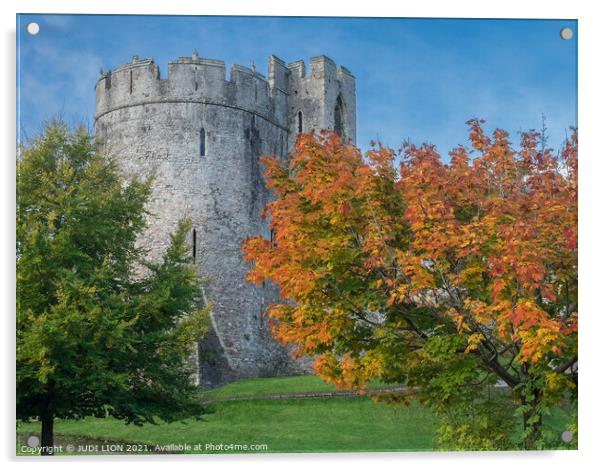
[(272, 386), (285, 425), (309, 425)]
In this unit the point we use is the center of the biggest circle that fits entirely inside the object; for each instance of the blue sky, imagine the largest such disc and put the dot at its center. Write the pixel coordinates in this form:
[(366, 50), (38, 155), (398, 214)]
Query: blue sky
[(417, 79)]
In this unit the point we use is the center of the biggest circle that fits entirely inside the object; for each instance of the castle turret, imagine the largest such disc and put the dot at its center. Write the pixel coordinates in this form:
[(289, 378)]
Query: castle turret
[(324, 100), (202, 135)]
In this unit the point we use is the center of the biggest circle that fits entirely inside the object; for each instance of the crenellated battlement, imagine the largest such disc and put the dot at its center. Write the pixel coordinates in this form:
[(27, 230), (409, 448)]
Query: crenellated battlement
[(193, 79), (197, 79), (319, 67)]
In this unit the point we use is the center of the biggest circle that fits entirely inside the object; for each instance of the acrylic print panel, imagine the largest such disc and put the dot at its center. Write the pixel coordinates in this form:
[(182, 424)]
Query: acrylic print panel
[(343, 235)]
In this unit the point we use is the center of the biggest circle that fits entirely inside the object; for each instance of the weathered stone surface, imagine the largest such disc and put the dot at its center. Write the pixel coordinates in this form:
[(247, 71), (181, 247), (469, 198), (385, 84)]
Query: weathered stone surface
[(155, 125)]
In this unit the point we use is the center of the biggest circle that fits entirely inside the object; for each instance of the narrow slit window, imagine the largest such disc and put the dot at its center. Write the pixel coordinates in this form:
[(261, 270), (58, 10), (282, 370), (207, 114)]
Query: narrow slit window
[(338, 117), (202, 144), (131, 82), (194, 245), (300, 121), (273, 237)]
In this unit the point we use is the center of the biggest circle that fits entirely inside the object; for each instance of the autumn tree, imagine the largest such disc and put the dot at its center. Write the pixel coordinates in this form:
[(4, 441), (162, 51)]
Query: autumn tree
[(448, 277), (96, 336)]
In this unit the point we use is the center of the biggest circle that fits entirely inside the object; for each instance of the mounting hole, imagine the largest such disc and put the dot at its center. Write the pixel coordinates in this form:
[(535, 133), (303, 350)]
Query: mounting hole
[(566, 34), (33, 28), (566, 436), (33, 441)]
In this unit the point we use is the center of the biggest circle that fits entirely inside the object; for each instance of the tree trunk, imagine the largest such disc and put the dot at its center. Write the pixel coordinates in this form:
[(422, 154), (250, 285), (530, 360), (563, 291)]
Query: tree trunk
[(532, 427), (47, 418)]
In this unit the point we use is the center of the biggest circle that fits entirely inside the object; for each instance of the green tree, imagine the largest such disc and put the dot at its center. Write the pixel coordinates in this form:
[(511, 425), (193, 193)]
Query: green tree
[(101, 331)]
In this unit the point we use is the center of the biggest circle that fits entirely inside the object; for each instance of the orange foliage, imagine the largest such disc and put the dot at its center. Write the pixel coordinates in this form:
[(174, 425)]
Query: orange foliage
[(373, 253)]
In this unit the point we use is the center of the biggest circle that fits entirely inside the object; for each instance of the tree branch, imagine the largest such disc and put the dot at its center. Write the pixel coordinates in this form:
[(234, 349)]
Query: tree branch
[(562, 367)]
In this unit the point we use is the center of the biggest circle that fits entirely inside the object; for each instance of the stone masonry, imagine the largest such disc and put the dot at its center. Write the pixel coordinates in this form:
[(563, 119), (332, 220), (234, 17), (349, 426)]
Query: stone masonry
[(202, 134)]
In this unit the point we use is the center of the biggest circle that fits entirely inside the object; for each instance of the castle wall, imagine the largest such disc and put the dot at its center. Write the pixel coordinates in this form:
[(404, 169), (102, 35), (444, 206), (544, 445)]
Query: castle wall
[(153, 125)]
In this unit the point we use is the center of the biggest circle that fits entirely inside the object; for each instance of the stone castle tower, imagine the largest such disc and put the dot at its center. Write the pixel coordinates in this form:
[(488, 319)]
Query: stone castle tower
[(202, 135)]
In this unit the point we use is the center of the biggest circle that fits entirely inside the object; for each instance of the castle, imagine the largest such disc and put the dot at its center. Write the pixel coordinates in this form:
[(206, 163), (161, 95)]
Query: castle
[(202, 135)]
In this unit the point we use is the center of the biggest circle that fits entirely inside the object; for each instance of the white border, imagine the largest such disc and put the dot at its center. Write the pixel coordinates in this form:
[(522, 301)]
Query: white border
[(590, 82)]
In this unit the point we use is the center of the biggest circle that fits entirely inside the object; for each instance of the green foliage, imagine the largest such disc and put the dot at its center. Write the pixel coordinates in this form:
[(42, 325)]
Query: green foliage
[(440, 373), (100, 331), (573, 428), (472, 414), (481, 421)]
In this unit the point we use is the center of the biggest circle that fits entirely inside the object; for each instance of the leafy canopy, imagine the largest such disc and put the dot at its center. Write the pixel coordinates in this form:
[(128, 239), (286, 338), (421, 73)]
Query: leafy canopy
[(100, 330), (447, 276)]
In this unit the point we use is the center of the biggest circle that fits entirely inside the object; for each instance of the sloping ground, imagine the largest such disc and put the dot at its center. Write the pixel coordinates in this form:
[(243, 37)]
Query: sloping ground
[(275, 385), (280, 388)]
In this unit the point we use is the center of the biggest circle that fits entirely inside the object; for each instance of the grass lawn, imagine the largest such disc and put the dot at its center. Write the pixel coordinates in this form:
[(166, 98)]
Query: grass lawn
[(286, 425), (276, 385)]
